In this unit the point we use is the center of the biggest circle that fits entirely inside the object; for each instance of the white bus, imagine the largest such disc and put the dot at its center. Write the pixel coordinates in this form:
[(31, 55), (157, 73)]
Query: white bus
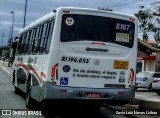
[(77, 54)]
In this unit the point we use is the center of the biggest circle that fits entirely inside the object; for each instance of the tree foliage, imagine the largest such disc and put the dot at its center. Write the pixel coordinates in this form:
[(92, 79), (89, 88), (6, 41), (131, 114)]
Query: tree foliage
[(149, 20)]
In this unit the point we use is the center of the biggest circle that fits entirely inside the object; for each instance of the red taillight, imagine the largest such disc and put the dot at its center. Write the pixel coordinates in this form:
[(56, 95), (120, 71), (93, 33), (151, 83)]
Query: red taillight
[(54, 70), (132, 19), (66, 11), (100, 43), (63, 90), (53, 83), (155, 81), (120, 92)]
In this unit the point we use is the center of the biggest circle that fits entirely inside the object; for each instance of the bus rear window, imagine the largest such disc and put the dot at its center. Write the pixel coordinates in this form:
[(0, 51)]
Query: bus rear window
[(96, 28)]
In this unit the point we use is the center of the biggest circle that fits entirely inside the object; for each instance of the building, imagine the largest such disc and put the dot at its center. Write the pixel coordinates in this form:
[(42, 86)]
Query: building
[(148, 57)]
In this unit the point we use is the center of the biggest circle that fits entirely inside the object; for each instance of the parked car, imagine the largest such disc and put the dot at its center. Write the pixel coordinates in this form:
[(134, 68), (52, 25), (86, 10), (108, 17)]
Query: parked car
[(144, 79), (156, 85)]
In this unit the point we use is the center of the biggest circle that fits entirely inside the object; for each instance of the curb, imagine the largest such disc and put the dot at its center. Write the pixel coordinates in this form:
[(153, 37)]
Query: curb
[(149, 104)]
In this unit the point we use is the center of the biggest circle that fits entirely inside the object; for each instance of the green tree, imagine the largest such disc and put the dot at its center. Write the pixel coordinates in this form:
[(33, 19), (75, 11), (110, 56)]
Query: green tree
[(149, 20)]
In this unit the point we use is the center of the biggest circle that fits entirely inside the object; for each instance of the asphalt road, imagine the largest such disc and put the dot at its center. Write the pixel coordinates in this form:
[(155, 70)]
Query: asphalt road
[(10, 101)]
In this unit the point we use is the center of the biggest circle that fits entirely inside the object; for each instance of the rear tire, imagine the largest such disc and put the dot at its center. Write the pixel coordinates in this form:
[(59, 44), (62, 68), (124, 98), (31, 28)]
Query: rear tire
[(150, 87), (158, 93), (136, 88), (13, 77), (17, 91)]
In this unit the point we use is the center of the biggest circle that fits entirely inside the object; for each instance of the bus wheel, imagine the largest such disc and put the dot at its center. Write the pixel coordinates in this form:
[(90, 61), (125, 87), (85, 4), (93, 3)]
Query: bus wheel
[(29, 100), (150, 87), (136, 88), (158, 93), (17, 91), (13, 77)]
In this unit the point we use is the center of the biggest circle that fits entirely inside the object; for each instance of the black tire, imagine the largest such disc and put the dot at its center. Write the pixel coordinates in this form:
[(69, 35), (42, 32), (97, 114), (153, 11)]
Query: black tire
[(13, 78), (150, 87), (136, 88), (17, 91), (158, 93), (29, 100)]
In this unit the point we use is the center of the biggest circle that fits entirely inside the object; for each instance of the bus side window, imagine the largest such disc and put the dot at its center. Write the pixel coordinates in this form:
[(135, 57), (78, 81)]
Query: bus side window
[(33, 39), (27, 42), (45, 25), (19, 44), (39, 38), (30, 42), (34, 49), (23, 43), (49, 36)]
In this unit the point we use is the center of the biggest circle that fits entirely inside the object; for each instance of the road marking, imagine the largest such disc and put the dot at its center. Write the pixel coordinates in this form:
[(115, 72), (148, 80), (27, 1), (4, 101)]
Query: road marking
[(5, 69)]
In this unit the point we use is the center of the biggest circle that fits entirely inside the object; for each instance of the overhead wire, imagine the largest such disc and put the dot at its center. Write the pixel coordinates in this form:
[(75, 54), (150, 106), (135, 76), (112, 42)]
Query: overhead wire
[(120, 4), (116, 3)]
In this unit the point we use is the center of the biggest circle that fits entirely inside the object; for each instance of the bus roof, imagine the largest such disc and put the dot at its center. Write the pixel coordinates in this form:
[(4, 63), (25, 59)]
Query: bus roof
[(42, 19), (53, 13), (95, 10)]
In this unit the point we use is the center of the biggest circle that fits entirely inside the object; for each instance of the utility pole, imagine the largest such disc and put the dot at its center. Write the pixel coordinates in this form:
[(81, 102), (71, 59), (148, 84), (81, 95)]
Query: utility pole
[(9, 37), (24, 23), (12, 26), (2, 39), (1, 45)]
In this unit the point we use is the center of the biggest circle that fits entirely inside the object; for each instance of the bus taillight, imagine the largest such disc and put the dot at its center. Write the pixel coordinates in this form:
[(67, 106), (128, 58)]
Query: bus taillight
[(100, 43), (54, 74), (66, 11), (120, 92), (54, 70), (132, 19)]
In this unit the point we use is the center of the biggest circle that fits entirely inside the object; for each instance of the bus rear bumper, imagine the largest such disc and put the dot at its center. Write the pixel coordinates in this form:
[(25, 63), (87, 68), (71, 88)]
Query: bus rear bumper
[(52, 92)]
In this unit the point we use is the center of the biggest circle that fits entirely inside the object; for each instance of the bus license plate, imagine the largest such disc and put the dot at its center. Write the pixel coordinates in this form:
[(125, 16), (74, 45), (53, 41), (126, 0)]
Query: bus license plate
[(93, 95)]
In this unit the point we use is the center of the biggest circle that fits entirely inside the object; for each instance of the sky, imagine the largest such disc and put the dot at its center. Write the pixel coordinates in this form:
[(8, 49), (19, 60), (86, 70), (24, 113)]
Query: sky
[(38, 8)]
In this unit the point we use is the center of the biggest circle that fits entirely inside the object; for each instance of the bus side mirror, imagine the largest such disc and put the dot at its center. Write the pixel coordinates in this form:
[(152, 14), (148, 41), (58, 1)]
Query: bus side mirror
[(14, 45)]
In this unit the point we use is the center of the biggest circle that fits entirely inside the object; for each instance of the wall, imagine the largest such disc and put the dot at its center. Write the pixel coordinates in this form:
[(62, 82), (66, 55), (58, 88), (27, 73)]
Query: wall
[(150, 65), (157, 64)]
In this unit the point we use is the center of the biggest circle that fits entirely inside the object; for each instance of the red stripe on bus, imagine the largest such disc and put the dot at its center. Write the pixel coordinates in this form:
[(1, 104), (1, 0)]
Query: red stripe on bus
[(23, 65), (43, 75), (33, 70)]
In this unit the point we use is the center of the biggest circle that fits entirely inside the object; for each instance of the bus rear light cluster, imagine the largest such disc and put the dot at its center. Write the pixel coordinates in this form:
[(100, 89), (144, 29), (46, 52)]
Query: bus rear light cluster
[(54, 74), (132, 19), (120, 92), (53, 81), (63, 90), (66, 11), (54, 70), (99, 43)]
